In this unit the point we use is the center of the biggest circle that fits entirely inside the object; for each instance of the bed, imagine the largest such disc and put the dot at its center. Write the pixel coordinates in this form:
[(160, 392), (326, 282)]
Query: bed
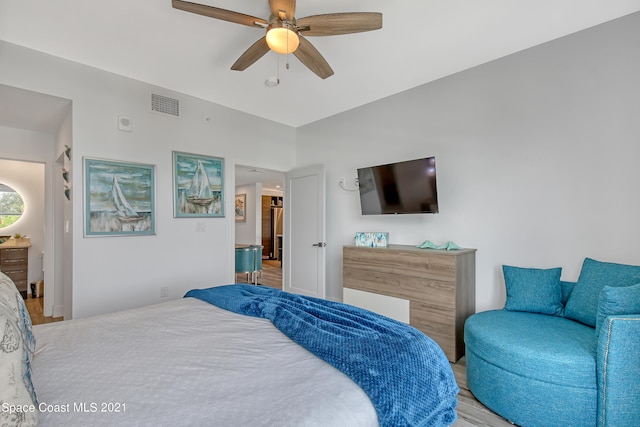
[(198, 362)]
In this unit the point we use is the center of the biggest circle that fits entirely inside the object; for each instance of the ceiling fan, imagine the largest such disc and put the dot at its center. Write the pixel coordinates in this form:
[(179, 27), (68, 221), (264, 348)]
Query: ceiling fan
[(285, 34)]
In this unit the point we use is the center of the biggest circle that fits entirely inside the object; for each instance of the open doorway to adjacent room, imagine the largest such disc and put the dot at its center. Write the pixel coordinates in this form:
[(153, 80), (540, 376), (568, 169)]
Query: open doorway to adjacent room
[(34, 129), (259, 221)]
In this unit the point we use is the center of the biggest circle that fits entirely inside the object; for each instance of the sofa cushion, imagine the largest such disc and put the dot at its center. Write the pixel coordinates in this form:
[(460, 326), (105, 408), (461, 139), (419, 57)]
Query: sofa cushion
[(533, 290), (550, 349), (566, 288), (595, 275), (617, 301)]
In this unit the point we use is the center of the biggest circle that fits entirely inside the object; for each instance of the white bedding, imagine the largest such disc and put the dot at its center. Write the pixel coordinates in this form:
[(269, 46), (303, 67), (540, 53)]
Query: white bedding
[(187, 363)]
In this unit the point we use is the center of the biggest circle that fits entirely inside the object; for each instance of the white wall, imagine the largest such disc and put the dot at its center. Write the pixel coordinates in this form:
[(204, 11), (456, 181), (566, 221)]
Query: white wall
[(537, 158), (62, 226), (250, 231), (111, 273), (28, 179)]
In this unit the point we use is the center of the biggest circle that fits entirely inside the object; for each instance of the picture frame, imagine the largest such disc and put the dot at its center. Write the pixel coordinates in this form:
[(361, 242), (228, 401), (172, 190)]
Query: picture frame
[(119, 198), (198, 185), (241, 207)]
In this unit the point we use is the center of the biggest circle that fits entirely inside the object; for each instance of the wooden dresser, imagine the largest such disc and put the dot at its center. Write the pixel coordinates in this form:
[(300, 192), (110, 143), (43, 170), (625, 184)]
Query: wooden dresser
[(439, 285), (14, 262)]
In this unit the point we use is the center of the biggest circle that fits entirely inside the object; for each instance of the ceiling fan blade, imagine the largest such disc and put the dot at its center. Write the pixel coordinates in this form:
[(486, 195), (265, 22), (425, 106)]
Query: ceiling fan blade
[(309, 56), (288, 6), (251, 55), (217, 13), (334, 24)]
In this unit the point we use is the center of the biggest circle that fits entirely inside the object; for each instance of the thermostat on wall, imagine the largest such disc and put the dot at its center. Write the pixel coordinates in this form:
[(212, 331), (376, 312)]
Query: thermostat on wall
[(125, 124)]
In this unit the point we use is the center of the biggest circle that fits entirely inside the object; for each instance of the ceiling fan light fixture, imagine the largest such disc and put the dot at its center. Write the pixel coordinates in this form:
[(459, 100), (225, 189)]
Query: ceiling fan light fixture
[(282, 37)]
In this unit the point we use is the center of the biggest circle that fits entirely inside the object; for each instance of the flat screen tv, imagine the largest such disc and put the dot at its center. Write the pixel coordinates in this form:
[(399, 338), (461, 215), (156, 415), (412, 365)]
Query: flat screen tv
[(407, 187)]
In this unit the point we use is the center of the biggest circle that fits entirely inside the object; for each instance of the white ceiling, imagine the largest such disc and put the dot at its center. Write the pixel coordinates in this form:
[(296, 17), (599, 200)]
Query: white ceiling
[(421, 40), (272, 181), (23, 109)]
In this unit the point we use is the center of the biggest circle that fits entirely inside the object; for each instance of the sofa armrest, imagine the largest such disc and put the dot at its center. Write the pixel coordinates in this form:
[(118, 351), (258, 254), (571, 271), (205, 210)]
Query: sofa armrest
[(618, 367)]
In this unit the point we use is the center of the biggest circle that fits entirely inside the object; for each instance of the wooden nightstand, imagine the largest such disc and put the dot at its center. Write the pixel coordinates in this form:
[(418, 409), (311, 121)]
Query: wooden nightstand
[(14, 262)]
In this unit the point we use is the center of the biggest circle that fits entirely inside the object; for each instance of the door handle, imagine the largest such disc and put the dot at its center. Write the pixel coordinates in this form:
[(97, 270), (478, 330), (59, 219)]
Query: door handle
[(320, 244)]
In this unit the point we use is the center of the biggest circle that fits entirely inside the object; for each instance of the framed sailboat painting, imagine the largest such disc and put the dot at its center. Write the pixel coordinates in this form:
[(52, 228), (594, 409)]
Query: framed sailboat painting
[(198, 185), (119, 198)]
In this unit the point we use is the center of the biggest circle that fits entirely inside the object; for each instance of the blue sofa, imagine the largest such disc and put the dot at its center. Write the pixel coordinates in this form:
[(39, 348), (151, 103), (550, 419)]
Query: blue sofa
[(560, 353)]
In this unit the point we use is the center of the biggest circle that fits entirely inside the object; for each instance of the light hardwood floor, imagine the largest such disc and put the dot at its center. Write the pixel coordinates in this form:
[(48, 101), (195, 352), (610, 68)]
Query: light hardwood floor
[(35, 308), (271, 275), (471, 413)]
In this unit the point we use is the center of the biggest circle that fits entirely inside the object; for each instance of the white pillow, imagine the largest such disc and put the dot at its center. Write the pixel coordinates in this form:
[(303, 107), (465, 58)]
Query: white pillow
[(17, 396), (11, 298)]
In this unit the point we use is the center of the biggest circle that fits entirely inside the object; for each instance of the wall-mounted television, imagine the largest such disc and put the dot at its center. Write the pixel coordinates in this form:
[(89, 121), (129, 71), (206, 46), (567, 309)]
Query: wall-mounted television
[(399, 188)]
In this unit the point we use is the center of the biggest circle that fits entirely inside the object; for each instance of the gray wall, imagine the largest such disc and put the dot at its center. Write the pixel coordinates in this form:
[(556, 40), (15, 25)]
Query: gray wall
[(537, 158)]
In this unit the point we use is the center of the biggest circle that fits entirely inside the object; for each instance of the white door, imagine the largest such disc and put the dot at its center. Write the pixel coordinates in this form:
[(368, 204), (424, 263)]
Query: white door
[(304, 236)]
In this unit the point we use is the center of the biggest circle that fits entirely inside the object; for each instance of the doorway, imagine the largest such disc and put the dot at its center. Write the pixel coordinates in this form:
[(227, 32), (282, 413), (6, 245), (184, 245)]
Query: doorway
[(33, 127), (259, 219), (303, 210), (27, 181)]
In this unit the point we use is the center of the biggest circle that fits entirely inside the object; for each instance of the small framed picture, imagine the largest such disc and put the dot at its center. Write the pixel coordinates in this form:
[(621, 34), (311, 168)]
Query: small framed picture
[(119, 198), (198, 185), (241, 207)]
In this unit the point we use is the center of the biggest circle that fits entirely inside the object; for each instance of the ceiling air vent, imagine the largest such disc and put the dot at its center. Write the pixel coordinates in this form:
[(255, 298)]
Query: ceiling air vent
[(165, 105)]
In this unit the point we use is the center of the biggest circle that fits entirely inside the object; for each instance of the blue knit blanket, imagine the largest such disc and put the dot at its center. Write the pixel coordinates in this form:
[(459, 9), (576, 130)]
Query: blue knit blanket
[(405, 374)]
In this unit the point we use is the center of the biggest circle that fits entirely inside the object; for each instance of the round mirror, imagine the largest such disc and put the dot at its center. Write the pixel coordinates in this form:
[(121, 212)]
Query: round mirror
[(11, 205)]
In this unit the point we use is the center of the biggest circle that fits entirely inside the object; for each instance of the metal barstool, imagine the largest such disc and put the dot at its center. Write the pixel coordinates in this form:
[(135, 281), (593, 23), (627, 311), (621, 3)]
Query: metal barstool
[(257, 262)]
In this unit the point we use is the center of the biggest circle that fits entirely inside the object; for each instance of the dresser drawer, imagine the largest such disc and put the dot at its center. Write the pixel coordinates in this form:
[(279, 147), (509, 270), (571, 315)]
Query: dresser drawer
[(21, 285), (14, 262), (12, 255), (19, 278), (12, 265), (17, 275)]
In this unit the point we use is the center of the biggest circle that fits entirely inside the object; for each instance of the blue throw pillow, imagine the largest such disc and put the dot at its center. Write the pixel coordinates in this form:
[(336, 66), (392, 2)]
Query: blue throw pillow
[(565, 289), (617, 301), (533, 290), (582, 305)]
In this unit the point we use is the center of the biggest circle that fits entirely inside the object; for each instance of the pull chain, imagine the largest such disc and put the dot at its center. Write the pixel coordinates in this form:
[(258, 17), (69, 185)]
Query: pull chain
[(278, 71), (287, 64)]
